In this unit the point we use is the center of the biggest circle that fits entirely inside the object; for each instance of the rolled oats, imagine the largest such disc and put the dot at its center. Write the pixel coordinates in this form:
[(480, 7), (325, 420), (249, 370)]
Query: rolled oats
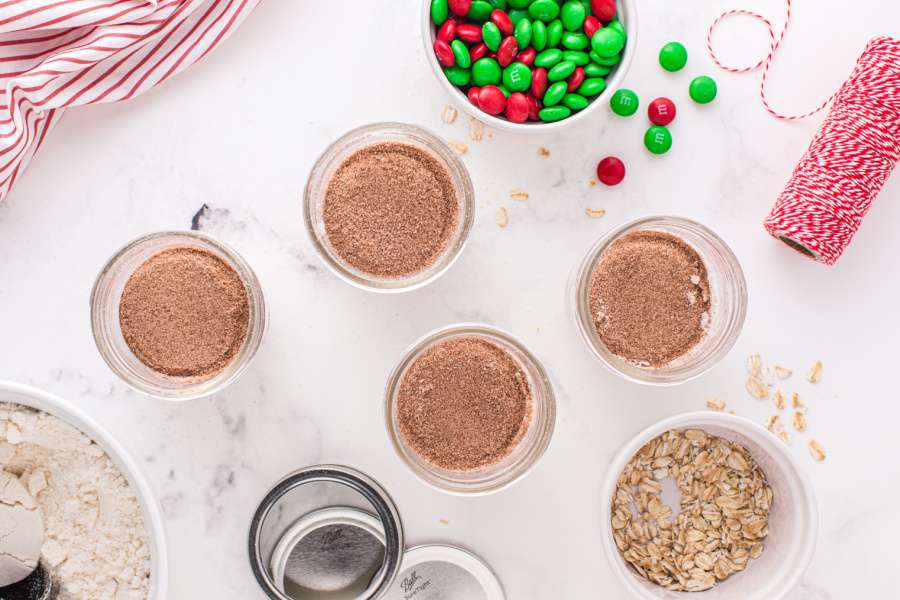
[(815, 372), (476, 129), (782, 372), (502, 217), (725, 503), (799, 421), (715, 404), (449, 114), (816, 450), (756, 387)]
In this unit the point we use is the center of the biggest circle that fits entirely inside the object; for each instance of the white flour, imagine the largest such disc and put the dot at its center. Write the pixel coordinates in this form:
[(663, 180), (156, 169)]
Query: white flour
[(96, 546)]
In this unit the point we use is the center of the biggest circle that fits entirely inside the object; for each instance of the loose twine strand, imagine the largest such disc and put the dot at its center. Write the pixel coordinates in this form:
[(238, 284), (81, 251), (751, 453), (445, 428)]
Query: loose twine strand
[(851, 156)]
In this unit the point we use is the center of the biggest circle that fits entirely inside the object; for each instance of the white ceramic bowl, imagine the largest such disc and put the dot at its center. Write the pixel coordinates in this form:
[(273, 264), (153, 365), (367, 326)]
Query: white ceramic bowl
[(29, 396), (627, 12), (793, 519)]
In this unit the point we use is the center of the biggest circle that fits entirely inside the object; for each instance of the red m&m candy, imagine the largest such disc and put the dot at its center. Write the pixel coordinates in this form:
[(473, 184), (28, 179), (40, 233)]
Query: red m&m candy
[(468, 33), (444, 53), (501, 19), (492, 100), (479, 51), (661, 111), (460, 7), (517, 107), (507, 51), (447, 31), (611, 170), (591, 26), (605, 10)]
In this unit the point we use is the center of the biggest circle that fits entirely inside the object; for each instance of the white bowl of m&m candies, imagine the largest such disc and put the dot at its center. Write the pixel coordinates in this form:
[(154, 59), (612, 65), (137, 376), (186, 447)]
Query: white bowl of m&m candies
[(523, 65)]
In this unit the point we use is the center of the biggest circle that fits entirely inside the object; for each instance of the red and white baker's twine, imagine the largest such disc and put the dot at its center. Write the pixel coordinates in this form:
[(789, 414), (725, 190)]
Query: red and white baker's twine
[(851, 156), (60, 53)]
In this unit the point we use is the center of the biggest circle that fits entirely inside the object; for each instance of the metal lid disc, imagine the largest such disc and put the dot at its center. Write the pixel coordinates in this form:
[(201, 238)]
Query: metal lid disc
[(436, 572)]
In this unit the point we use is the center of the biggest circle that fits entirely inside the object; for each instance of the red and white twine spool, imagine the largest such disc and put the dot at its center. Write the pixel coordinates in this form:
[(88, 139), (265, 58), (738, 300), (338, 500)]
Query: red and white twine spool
[(851, 156)]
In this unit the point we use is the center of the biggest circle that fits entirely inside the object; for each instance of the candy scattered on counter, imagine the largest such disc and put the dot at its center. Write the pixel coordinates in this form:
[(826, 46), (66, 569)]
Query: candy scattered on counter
[(624, 102), (540, 60), (658, 139), (673, 56), (611, 170), (661, 111), (703, 89)]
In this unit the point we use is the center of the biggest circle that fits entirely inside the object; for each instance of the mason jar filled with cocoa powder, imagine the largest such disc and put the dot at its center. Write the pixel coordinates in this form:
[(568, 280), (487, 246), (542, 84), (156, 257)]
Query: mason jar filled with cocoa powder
[(177, 314), (388, 207), (469, 409), (659, 300)]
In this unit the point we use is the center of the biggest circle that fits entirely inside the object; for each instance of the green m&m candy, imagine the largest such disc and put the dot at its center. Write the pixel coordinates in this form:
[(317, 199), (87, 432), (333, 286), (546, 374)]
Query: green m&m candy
[(458, 75), (673, 56), (607, 42), (555, 93), (658, 140), (461, 54), (491, 36), (522, 33), (592, 86), (486, 71), (550, 114), (594, 70), (517, 14), (544, 10), (616, 25), (624, 102), (572, 15), (561, 71), (575, 101), (500, 4), (703, 89), (554, 33), (439, 11), (548, 58), (606, 62), (574, 40), (480, 11), (519, 3), (576, 56), (517, 77), (538, 35)]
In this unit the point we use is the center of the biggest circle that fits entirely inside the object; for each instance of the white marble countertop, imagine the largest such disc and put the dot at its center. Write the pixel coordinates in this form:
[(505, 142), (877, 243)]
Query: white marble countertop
[(240, 132)]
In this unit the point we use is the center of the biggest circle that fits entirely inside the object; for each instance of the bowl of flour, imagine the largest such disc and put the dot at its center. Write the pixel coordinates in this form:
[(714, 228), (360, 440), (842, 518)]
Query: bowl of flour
[(104, 537)]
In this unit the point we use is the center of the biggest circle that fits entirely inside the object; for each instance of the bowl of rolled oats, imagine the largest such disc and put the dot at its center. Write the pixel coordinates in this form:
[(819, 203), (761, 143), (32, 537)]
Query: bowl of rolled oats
[(711, 506)]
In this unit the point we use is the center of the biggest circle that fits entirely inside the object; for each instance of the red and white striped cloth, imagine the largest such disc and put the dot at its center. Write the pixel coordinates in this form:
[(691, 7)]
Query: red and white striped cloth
[(60, 53)]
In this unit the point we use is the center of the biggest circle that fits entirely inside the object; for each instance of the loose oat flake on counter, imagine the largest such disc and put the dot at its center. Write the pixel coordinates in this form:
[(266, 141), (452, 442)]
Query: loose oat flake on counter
[(724, 510), (96, 544)]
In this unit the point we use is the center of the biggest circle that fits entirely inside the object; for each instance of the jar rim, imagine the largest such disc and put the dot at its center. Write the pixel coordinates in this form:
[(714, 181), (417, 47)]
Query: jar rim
[(369, 489), (105, 329), (681, 371), (355, 139), (543, 416)]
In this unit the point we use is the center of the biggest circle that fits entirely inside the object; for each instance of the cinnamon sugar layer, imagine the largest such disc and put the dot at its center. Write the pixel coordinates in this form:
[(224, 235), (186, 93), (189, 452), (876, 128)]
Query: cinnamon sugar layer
[(390, 209), (185, 313), (464, 403), (649, 297)]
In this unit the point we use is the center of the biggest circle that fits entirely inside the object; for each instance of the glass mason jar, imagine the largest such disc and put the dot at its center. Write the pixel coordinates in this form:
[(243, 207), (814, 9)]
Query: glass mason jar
[(728, 293), (334, 156), (107, 294), (496, 476)]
